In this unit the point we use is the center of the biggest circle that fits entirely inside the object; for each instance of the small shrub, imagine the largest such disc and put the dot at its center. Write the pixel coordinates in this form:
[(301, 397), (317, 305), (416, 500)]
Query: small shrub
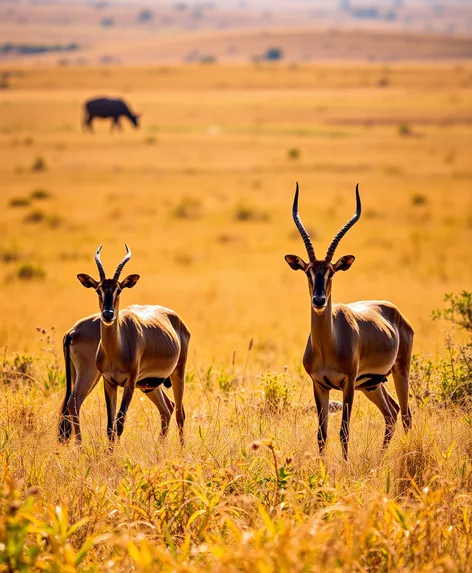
[(40, 194), (187, 208), (28, 272), (4, 80), (245, 212), (38, 164), (383, 82), (419, 199), (19, 202), (35, 216), (20, 367), (150, 140), (458, 311), (53, 221), (9, 255), (404, 129), (184, 259), (275, 391), (293, 153)]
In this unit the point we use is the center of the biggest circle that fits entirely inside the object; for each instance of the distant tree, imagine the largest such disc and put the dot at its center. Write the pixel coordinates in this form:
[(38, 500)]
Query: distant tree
[(145, 16), (273, 54), (107, 22)]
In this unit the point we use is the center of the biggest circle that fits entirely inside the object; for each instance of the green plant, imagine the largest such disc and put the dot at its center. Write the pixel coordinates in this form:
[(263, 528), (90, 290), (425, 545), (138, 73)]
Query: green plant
[(30, 541), (458, 311), (19, 368), (276, 392)]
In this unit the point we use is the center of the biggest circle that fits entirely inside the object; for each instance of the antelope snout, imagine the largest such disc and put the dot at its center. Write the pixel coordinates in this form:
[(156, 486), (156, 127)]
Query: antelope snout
[(319, 301), (108, 315)]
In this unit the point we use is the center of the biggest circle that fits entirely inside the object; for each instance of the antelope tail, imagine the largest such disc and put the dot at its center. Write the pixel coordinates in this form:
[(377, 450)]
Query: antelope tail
[(65, 426)]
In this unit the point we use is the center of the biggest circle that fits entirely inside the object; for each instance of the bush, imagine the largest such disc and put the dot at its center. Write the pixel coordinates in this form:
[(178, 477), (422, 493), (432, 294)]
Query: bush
[(28, 272), (275, 391), (245, 212), (4, 81), (35, 216), (459, 310), (418, 199), (404, 129), (38, 164), (293, 153), (40, 194), (19, 202), (187, 208), (447, 378), (9, 255), (20, 368)]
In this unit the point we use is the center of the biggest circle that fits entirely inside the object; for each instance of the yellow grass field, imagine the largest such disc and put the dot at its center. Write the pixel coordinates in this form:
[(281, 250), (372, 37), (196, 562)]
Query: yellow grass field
[(202, 193)]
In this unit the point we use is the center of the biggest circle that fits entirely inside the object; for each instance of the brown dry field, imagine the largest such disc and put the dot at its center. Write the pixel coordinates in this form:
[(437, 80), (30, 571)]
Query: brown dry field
[(202, 193)]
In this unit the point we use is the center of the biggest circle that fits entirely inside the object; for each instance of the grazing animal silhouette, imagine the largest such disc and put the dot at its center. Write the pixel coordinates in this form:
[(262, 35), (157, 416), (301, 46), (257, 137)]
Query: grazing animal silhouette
[(108, 108)]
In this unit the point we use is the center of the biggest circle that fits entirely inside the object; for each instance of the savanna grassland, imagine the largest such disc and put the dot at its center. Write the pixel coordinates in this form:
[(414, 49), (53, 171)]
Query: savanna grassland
[(202, 193)]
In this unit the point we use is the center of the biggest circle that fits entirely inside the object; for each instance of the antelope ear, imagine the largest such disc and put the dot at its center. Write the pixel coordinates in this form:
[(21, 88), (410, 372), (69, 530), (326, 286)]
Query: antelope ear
[(295, 262), (344, 263), (87, 281), (129, 281)]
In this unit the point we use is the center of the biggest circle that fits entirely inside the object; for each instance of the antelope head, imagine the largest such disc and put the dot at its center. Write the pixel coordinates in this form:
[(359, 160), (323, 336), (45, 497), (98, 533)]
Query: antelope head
[(109, 290), (320, 272)]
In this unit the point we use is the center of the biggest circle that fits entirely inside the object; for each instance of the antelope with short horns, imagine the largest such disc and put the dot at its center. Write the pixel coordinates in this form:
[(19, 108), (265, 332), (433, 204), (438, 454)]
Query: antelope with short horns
[(352, 346), (137, 347)]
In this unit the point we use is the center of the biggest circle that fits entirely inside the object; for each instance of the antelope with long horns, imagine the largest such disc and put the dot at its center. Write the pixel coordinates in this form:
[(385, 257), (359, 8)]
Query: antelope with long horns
[(352, 346), (138, 347)]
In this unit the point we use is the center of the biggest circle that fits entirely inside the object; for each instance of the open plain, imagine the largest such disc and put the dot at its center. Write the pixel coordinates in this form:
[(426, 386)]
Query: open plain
[(202, 193)]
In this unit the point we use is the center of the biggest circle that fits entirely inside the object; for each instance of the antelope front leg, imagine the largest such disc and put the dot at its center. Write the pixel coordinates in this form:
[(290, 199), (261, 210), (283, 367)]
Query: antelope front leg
[(128, 392), (322, 407), (348, 399), (111, 393)]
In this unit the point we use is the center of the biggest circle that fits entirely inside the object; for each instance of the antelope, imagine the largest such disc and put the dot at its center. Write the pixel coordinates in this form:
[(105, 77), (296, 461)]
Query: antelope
[(352, 346), (138, 347)]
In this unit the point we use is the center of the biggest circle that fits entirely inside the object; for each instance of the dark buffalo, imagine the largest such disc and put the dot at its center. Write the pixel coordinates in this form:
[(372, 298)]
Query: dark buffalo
[(106, 107)]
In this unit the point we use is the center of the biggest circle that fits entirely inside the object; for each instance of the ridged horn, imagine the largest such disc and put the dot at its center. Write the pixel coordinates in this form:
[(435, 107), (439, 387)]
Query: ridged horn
[(101, 270), (345, 229), (301, 228), (119, 268)]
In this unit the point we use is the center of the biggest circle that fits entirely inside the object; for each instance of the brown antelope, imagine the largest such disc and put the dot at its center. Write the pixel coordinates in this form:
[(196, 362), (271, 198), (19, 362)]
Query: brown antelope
[(352, 346), (137, 347)]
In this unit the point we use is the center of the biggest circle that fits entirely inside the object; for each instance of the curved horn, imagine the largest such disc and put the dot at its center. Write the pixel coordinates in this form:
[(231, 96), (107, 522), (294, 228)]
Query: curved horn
[(301, 228), (101, 270), (119, 268), (345, 229)]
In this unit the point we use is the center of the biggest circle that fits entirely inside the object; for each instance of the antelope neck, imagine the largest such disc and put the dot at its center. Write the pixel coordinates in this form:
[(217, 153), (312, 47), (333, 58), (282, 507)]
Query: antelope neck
[(110, 336), (322, 328)]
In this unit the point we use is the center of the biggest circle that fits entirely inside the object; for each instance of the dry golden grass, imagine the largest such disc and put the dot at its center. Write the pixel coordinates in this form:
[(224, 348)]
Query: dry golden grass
[(202, 194)]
